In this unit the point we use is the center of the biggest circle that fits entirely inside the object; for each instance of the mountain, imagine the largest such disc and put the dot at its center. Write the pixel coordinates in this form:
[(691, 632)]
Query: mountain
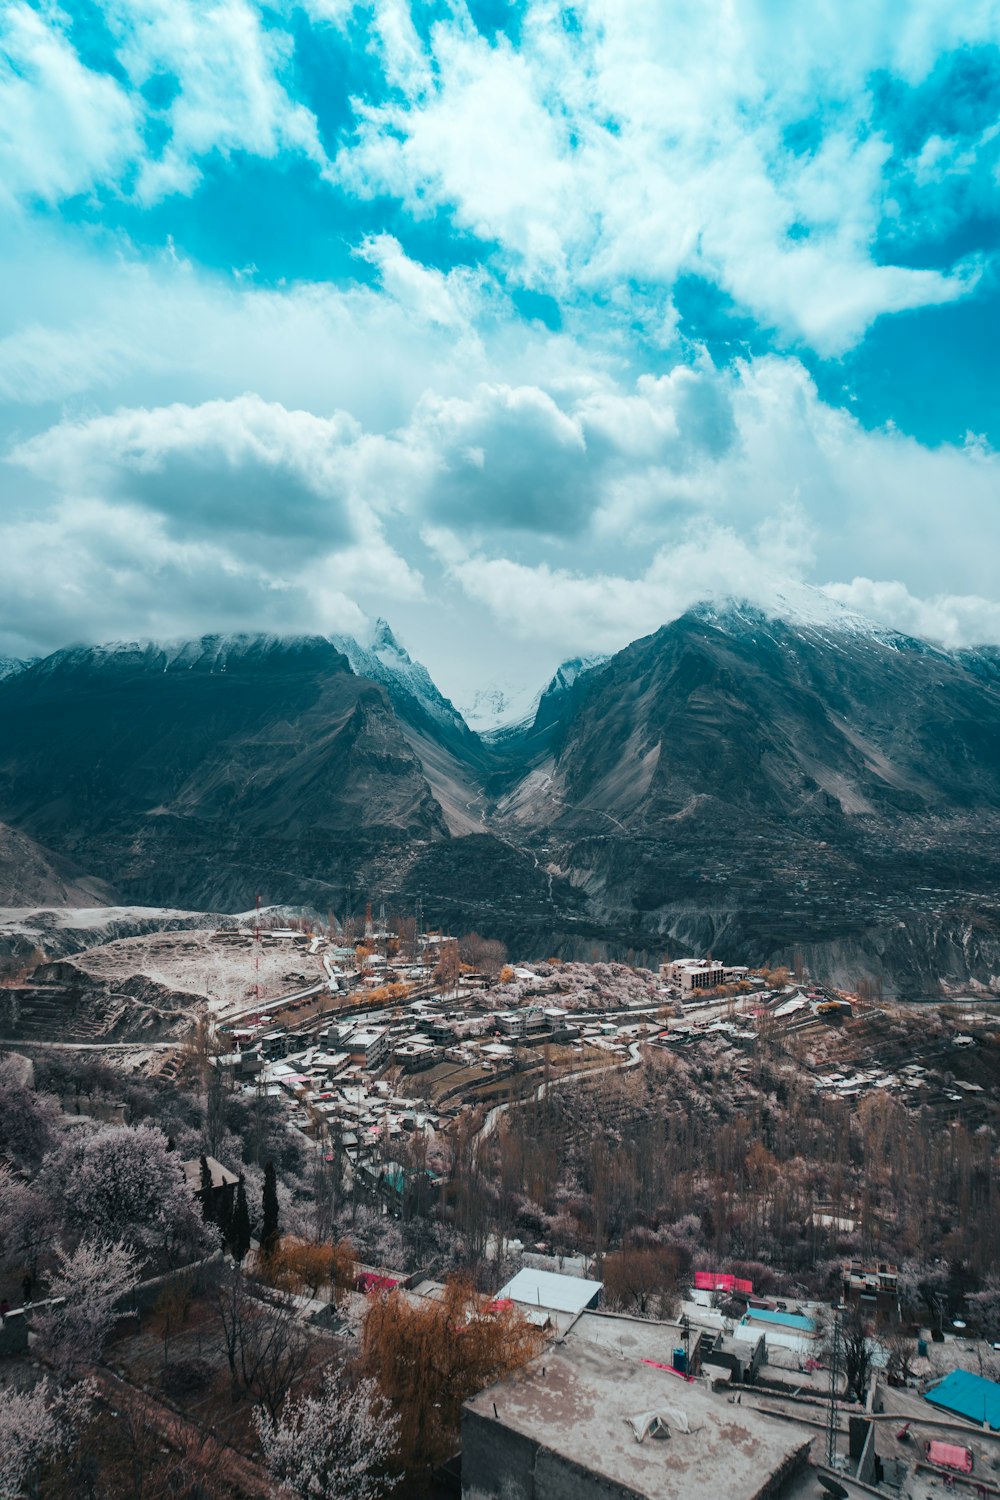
[(451, 755), (31, 876), (207, 771), (754, 783), (758, 782), (11, 665)]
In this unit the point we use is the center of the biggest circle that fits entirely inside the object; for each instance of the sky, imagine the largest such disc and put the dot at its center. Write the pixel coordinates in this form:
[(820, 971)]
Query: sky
[(523, 325)]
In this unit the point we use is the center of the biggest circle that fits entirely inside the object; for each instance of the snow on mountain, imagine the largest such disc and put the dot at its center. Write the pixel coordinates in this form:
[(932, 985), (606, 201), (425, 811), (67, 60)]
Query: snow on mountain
[(11, 665), (498, 711), (383, 660), (501, 705), (807, 610)]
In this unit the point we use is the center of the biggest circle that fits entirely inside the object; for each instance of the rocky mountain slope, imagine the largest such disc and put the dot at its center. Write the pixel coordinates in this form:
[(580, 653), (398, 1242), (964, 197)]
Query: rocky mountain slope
[(749, 782), (754, 784), (33, 876), (204, 773)]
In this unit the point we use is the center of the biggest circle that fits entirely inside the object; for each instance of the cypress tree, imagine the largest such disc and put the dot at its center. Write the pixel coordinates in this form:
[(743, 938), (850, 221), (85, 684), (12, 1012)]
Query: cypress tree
[(269, 1234), (241, 1222), (206, 1194), (224, 1217)]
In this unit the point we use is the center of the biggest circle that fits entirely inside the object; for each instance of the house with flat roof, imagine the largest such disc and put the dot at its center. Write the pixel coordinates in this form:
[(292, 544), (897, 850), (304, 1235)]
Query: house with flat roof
[(584, 1422)]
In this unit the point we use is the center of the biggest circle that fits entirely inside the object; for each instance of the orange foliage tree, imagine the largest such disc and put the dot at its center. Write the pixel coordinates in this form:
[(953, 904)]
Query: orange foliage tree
[(430, 1356), (307, 1265)]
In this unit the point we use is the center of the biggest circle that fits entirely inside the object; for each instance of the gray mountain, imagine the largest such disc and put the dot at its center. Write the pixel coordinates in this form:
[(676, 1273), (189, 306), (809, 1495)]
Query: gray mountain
[(756, 784), (207, 771), (751, 782)]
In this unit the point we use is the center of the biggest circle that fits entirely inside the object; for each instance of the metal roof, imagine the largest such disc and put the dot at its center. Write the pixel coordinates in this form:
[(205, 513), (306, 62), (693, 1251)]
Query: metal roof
[(969, 1396), (569, 1294), (781, 1319)]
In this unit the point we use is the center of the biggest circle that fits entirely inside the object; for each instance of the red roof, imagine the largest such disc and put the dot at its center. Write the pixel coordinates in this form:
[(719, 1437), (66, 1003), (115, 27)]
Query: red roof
[(371, 1281), (950, 1456), (721, 1281)]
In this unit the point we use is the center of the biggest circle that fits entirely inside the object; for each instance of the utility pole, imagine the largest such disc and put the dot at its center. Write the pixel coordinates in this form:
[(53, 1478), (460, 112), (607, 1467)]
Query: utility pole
[(831, 1420)]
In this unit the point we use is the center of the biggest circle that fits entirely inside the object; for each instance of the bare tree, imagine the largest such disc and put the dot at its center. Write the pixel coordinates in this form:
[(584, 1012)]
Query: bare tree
[(265, 1346)]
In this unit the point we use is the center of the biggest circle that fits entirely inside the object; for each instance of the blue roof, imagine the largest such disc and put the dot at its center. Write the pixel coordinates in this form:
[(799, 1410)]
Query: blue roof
[(782, 1319), (968, 1396)]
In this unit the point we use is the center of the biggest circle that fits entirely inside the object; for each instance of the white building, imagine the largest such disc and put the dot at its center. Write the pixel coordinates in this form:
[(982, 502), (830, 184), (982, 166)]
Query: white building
[(689, 974), (526, 1022), (369, 1046)]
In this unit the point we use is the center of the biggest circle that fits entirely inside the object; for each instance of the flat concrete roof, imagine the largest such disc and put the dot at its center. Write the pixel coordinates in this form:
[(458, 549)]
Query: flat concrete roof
[(631, 1338), (577, 1400)]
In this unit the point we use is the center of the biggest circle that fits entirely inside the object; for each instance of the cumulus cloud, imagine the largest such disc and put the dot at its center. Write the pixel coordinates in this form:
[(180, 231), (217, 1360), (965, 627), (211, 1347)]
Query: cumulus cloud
[(952, 619), (182, 519), (643, 145), (245, 466), (62, 126)]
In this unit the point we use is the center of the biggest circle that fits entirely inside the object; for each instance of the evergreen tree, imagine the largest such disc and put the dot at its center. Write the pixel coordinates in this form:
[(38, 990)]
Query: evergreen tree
[(225, 1218), (270, 1233), (240, 1233), (206, 1194)]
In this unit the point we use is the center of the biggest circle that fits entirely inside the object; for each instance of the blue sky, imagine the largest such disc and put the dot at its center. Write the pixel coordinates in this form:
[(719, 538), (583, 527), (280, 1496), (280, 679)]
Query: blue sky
[(524, 325)]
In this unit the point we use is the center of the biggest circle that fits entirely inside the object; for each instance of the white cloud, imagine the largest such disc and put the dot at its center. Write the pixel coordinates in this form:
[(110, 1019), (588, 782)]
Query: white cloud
[(62, 126), (952, 619), (66, 128), (602, 612), (642, 144), (229, 91)]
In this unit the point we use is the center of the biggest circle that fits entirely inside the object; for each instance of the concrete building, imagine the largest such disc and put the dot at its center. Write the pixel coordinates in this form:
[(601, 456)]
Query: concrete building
[(369, 1047), (687, 974), (581, 1422), (873, 1288), (528, 1021)]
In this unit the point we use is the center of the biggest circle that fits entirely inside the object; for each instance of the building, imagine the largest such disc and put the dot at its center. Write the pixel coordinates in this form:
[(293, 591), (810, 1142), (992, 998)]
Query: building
[(547, 1291), (687, 974), (584, 1422), (970, 1396), (369, 1047), (783, 1329), (223, 1183), (528, 1021), (873, 1288)]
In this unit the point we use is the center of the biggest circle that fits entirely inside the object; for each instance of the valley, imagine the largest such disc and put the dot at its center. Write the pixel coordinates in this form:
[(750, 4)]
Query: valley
[(736, 783)]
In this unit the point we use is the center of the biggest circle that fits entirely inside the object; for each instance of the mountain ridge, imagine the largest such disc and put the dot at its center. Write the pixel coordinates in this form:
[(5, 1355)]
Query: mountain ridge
[(734, 780)]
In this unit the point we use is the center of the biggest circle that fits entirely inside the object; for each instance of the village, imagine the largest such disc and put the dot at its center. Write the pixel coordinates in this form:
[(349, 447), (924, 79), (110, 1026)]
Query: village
[(411, 1085)]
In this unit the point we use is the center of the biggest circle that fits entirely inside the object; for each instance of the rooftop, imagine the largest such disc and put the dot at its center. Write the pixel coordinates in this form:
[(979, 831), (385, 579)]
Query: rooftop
[(580, 1402), (569, 1294), (970, 1396)]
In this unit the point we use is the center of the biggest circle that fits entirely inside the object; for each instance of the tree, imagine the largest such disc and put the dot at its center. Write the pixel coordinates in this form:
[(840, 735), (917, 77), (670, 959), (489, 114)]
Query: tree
[(240, 1237), (92, 1281), (36, 1427), (901, 1351), (857, 1353), (430, 1359), (336, 1443), (26, 1222), (485, 954), (121, 1182), (265, 1346), (170, 1311), (205, 1192), (27, 1119), (643, 1279), (270, 1233), (449, 966)]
